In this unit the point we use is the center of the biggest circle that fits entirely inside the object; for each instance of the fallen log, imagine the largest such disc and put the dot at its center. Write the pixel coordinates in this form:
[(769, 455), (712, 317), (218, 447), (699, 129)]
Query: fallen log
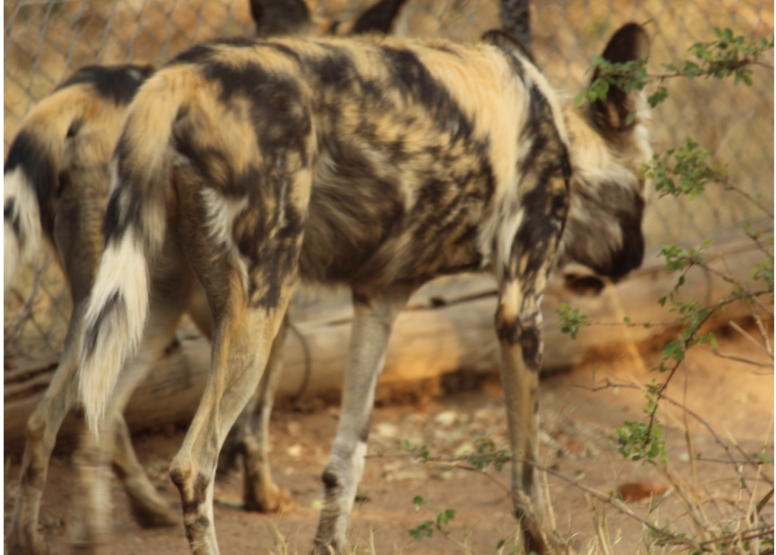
[(447, 327)]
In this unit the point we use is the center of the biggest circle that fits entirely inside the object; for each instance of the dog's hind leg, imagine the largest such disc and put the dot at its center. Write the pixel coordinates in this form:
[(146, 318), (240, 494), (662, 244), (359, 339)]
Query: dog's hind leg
[(170, 283), (42, 428), (248, 290), (148, 508), (261, 494), (241, 345), (374, 314), (249, 437)]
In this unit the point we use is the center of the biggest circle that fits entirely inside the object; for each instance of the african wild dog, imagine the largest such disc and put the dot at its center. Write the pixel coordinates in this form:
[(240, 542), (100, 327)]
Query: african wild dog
[(56, 189), (376, 163)]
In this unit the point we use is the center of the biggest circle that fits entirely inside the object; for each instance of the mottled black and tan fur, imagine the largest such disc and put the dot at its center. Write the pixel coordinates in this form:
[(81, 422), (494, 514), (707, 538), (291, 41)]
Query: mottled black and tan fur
[(56, 191), (56, 187), (375, 163)]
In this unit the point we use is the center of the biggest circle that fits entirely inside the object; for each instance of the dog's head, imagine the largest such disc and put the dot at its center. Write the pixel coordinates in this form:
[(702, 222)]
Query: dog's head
[(608, 144)]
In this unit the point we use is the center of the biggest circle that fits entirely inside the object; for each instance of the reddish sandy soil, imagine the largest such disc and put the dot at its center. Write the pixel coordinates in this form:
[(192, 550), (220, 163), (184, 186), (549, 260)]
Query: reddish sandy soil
[(577, 441)]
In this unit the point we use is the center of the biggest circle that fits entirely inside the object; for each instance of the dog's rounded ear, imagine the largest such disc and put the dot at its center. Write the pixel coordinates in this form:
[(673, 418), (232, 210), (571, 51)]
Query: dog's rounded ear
[(379, 18), (630, 42), (507, 42), (280, 17)]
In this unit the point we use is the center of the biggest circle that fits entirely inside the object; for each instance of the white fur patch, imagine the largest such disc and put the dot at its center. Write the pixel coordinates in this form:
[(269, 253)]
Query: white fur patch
[(509, 223), (11, 257), (16, 186), (348, 493), (123, 272), (221, 214)]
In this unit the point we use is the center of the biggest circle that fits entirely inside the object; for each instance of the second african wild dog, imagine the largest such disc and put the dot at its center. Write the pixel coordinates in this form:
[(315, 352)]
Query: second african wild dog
[(379, 164), (56, 189)]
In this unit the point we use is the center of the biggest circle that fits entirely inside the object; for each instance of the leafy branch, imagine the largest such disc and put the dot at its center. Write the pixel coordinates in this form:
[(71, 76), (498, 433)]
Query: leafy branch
[(687, 170), (480, 460), (727, 55)]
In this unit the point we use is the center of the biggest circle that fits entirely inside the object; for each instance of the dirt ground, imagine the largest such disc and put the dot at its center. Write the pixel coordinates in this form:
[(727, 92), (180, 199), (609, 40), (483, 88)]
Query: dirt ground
[(576, 441)]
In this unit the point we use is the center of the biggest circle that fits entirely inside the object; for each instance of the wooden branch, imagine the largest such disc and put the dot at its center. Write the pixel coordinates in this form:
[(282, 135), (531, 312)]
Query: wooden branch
[(447, 327)]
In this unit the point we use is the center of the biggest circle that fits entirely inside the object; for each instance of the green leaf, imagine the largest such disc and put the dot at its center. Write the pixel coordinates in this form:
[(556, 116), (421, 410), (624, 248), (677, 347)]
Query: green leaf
[(425, 530)]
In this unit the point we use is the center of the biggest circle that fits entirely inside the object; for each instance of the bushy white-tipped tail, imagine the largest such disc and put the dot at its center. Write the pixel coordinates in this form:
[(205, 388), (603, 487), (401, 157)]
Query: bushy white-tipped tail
[(22, 222), (135, 227), (113, 325)]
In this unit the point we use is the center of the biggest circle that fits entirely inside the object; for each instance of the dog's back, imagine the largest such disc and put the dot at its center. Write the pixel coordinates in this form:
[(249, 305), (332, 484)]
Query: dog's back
[(403, 142)]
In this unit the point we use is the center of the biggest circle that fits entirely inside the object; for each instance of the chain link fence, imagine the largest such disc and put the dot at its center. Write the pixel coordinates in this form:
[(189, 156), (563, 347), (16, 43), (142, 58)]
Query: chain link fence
[(46, 40)]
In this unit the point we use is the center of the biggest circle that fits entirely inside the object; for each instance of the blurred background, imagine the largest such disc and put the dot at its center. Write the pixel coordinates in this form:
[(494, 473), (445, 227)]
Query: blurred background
[(47, 40)]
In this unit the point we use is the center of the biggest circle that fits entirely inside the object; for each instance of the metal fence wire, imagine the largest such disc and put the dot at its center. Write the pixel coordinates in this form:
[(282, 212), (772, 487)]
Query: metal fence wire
[(46, 40)]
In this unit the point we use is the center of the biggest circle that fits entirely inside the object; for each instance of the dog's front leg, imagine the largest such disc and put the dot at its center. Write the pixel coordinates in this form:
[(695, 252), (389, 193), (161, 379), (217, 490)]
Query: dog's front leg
[(523, 266), (374, 315)]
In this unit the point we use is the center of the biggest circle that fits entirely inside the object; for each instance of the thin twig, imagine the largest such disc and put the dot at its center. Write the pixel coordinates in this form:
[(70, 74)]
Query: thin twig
[(729, 186), (755, 237), (692, 413), (765, 336), (753, 362), (677, 321), (616, 503), (726, 461), (746, 334), (764, 530), (733, 281)]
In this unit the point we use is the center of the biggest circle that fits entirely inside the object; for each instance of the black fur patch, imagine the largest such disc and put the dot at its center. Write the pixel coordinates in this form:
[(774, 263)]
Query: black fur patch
[(530, 342), (329, 479), (285, 50), (507, 329), (279, 18), (336, 73), (631, 255), (196, 54), (123, 208), (11, 215), (199, 53), (507, 42), (539, 227), (280, 121), (611, 202), (546, 143), (630, 42), (363, 433), (92, 334), (31, 475), (545, 210), (115, 83), (75, 126), (412, 77), (38, 167), (379, 18)]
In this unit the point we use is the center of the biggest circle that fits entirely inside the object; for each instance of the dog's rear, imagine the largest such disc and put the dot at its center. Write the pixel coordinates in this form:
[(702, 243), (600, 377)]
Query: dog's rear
[(61, 150)]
